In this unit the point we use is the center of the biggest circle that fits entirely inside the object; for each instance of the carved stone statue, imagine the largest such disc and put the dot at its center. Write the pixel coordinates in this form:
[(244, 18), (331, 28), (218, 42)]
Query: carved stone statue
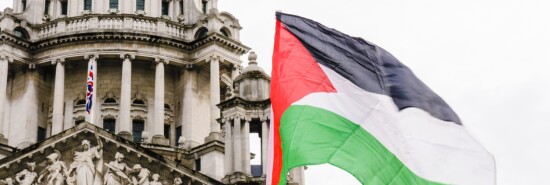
[(7, 181), (55, 172), (85, 169), (140, 175), (116, 173), (29, 175), (177, 181), (155, 180)]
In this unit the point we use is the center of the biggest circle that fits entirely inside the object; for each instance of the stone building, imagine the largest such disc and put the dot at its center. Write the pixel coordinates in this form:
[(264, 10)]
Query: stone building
[(172, 103)]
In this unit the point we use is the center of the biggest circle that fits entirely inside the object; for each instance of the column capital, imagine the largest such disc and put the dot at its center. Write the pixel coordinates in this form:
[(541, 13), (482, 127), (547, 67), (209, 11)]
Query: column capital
[(264, 117), (214, 57), (58, 60), (234, 67), (91, 56), (127, 56), (161, 60), (5, 57)]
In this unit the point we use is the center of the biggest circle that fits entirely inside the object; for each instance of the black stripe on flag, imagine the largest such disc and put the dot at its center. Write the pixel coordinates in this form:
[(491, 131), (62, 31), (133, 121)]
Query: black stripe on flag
[(366, 65)]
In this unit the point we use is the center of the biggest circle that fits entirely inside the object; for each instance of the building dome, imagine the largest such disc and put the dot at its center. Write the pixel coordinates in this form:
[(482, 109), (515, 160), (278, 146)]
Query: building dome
[(253, 83)]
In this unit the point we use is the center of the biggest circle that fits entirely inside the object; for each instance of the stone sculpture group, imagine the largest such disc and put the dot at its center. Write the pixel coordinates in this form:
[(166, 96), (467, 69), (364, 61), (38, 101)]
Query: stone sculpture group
[(86, 169)]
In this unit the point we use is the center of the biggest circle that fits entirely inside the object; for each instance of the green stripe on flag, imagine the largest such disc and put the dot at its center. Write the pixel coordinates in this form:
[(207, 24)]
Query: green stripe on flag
[(312, 135)]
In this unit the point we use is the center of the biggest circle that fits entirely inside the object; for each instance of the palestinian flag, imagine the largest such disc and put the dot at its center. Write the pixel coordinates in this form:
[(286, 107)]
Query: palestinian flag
[(342, 100)]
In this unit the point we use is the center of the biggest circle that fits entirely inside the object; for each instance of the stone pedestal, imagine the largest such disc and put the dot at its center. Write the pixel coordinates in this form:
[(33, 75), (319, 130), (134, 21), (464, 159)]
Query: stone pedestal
[(214, 136), (212, 164), (3, 140), (235, 178), (126, 135), (160, 140)]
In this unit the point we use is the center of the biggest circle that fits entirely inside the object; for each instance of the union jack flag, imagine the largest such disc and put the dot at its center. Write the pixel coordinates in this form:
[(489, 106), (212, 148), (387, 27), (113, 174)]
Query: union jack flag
[(90, 89)]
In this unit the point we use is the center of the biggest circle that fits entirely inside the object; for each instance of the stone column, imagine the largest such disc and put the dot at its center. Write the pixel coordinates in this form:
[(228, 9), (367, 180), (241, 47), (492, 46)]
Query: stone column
[(125, 129), (188, 107), (4, 60), (265, 141), (297, 175), (92, 117), (246, 147), (214, 93), (228, 147), (237, 155), (158, 118), (58, 96)]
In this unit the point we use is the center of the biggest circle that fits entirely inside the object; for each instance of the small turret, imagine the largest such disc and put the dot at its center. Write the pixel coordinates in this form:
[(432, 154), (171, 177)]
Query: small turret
[(253, 83)]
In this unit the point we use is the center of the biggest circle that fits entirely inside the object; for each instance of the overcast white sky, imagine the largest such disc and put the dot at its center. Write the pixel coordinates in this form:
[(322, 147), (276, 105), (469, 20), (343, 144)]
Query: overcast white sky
[(487, 59)]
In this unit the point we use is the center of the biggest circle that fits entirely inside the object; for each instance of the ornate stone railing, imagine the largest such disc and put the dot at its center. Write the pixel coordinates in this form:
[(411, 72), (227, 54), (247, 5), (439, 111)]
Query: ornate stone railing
[(109, 23)]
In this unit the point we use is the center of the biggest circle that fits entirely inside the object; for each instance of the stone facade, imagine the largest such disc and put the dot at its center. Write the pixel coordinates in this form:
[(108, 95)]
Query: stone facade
[(172, 103)]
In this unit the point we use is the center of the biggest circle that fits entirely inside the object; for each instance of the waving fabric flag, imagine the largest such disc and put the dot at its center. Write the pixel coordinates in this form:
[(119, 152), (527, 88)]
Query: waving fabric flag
[(342, 100), (90, 89)]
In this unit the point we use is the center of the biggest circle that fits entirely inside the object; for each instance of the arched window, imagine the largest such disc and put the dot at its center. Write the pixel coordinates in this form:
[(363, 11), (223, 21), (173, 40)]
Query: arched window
[(81, 102), (78, 121), (140, 5), (110, 100), (138, 102), (201, 33), (166, 106), (88, 5), (225, 32), (113, 4), (21, 33)]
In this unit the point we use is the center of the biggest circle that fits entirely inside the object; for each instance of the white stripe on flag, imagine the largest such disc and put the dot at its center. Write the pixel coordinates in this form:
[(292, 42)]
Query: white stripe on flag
[(433, 149)]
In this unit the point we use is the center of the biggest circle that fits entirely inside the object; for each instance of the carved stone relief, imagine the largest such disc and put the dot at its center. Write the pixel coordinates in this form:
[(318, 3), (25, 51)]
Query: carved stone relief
[(87, 159)]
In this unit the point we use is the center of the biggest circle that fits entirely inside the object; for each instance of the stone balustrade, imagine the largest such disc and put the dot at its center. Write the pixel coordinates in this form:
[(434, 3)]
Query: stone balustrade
[(103, 23)]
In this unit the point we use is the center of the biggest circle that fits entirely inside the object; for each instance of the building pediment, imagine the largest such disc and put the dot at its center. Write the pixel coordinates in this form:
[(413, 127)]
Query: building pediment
[(88, 146)]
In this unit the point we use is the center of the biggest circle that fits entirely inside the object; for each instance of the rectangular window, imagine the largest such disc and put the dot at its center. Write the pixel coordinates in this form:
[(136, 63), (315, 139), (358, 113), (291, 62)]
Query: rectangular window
[(140, 5), (166, 131), (178, 134), (64, 6), (181, 7), (198, 164), (165, 7), (47, 7), (113, 4), (137, 128), (204, 7), (24, 4), (41, 135), (87, 4), (109, 125)]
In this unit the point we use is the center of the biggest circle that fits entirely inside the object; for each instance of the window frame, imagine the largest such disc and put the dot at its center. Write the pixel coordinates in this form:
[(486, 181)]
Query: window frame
[(64, 7), (165, 8), (88, 5), (113, 4), (111, 122), (140, 7)]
